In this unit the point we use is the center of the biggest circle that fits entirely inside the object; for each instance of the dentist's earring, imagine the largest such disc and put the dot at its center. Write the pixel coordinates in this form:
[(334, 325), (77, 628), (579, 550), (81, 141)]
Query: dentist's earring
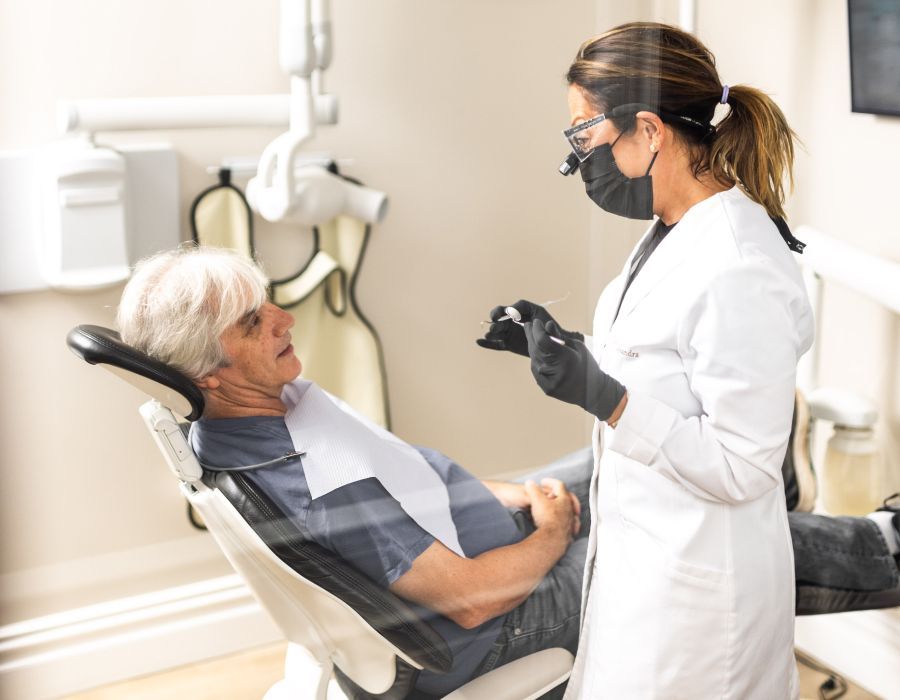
[(653, 148)]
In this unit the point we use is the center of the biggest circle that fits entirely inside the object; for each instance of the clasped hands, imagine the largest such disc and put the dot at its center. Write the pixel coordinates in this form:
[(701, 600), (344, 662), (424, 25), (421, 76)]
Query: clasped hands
[(539, 500), (566, 372)]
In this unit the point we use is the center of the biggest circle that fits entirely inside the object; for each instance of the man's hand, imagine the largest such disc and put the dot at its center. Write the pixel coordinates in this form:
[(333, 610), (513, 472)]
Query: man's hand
[(508, 335), (514, 495), (569, 372), (554, 507), (472, 591), (576, 507)]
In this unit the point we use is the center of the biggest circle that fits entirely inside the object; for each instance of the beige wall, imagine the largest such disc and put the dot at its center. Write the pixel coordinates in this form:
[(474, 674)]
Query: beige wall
[(453, 108)]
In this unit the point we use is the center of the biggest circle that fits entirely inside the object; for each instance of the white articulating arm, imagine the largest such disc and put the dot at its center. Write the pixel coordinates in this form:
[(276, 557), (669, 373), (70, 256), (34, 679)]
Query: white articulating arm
[(165, 113), (309, 195), (304, 52), (280, 190), (320, 15), (271, 191), (687, 15)]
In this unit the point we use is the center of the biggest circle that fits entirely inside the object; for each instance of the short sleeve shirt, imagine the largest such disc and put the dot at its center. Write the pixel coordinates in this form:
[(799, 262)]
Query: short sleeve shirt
[(365, 525)]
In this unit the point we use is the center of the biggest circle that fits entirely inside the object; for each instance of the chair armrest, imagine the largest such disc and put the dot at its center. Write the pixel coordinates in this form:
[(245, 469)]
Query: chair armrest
[(523, 679)]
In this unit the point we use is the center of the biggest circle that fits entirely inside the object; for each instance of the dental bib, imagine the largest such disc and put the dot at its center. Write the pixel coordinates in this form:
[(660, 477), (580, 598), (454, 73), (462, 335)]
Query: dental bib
[(341, 447)]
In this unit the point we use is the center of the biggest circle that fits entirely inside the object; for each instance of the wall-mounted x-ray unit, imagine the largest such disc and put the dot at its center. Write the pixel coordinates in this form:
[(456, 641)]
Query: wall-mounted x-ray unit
[(75, 216), (80, 218)]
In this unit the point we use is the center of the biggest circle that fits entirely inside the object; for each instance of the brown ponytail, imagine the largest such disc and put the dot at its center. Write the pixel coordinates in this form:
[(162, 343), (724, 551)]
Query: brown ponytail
[(754, 145), (672, 72)]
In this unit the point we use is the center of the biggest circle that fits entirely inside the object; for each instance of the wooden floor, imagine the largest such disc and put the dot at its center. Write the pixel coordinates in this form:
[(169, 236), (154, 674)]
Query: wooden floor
[(244, 676), (248, 675)]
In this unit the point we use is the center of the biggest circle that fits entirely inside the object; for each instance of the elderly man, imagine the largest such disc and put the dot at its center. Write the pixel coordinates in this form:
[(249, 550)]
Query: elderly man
[(495, 567)]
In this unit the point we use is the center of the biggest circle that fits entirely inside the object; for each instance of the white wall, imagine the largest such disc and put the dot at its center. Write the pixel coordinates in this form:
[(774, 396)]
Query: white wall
[(454, 109)]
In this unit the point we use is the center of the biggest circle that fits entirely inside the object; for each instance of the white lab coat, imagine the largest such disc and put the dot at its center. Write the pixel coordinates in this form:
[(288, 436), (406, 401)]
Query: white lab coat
[(689, 579)]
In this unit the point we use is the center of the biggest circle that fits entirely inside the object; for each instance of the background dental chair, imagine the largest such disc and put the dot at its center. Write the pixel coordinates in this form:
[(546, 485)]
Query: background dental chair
[(347, 637)]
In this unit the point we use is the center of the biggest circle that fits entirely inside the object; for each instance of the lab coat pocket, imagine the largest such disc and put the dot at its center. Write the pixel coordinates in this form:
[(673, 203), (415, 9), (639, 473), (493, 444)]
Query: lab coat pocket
[(674, 568), (683, 622), (693, 575)]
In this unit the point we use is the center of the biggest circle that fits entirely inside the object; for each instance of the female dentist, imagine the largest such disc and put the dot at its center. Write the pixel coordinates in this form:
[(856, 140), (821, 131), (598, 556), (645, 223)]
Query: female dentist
[(688, 589)]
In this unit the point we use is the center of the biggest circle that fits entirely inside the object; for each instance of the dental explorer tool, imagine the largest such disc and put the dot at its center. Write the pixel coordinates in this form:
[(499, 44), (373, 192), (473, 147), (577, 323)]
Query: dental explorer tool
[(512, 314)]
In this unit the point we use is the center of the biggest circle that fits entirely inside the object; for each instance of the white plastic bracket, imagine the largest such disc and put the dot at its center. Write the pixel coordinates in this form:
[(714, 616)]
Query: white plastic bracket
[(171, 441)]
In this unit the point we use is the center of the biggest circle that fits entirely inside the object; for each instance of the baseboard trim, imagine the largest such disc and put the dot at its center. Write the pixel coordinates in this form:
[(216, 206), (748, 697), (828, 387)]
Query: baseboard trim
[(87, 647), (863, 646)]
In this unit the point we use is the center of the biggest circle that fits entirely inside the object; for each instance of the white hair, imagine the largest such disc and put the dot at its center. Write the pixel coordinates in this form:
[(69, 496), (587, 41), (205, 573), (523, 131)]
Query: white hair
[(178, 303)]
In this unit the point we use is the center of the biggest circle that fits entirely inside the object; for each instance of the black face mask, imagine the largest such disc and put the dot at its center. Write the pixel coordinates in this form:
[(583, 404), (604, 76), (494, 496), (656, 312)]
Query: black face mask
[(609, 189)]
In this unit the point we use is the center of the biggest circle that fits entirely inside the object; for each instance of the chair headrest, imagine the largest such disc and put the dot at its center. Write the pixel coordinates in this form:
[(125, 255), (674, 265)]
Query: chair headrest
[(103, 346)]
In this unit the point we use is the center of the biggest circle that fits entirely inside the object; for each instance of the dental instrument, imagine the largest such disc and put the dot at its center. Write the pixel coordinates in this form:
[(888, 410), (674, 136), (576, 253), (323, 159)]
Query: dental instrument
[(512, 314)]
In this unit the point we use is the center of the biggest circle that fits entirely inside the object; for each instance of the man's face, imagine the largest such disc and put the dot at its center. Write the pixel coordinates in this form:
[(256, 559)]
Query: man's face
[(259, 349)]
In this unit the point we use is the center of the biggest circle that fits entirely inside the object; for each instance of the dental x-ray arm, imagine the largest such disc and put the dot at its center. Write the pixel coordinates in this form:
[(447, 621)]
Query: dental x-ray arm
[(309, 195), (271, 191)]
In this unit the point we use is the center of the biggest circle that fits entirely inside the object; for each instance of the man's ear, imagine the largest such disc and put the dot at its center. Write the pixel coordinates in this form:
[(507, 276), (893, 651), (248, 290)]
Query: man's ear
[(209, 383)]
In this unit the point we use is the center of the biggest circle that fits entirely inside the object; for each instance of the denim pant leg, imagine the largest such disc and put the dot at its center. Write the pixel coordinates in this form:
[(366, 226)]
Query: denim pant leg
[(841, 552), (548, 618)]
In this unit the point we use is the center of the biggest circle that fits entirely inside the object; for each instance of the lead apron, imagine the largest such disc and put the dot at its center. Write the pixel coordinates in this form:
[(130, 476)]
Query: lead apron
[(340, 449), (339, 347)]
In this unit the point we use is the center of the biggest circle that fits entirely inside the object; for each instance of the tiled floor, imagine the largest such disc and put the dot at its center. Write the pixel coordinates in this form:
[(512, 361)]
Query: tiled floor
[(248, 675)]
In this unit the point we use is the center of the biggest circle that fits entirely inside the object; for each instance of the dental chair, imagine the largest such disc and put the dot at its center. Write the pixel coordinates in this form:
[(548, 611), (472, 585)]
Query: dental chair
[(348, 638)]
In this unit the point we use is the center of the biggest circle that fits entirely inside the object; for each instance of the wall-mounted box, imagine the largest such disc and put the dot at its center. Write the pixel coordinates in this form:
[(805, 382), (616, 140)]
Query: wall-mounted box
[(149, 209), (81, 243)]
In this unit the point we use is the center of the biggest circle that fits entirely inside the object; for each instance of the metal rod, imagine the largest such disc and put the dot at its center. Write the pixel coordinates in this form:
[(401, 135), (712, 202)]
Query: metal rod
[(161, 113), (687, 15)]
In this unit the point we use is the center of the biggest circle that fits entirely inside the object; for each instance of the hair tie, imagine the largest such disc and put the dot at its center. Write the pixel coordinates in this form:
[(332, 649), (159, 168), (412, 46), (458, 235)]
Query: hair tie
[(724, 99)]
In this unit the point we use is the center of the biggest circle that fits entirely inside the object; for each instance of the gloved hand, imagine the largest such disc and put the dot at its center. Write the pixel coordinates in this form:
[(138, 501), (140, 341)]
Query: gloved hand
[(508, 335), (569, 372)]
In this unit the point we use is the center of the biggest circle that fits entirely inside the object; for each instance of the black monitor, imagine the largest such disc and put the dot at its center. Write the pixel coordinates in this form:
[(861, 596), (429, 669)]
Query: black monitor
[(875, 56)]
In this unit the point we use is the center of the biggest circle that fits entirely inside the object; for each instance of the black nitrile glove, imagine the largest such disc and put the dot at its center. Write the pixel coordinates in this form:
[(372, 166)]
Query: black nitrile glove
[(569, 372), (508, 335)]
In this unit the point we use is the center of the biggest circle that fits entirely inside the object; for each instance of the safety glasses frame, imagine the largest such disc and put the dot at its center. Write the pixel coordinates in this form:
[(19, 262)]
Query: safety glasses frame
[(571, 135)]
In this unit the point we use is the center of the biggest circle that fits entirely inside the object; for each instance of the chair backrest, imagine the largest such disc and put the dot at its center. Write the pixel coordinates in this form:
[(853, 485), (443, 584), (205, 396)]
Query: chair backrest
[(316, 599)]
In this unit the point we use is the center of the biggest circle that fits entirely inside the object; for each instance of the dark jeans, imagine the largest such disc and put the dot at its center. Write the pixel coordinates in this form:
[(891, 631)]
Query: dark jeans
[(550, 616), (837, 552), (841, 552)]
